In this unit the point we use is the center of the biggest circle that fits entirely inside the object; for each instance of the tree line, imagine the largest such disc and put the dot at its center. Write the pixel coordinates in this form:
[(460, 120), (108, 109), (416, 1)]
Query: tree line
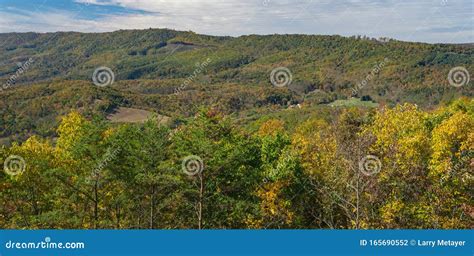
[(400, 167)]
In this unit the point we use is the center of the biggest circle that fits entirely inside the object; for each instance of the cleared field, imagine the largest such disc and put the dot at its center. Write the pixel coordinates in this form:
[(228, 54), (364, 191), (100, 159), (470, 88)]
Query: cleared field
[(133, 115), (353, 102)]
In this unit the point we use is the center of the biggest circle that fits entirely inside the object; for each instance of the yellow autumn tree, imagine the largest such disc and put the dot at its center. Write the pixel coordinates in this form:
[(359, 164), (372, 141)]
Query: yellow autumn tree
[(71, 128), (28, 192), (450, 139), (271, 128), (401, 139), (451, 168), (402, 143), (316, 146), (279, 166)]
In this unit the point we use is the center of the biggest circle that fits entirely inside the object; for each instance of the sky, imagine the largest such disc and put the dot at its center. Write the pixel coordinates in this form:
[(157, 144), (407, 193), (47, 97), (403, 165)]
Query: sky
[(431, 21)]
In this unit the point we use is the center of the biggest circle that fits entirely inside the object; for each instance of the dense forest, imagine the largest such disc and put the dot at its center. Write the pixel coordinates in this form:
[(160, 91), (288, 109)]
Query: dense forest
[(48, 75), (396, 167), (363, 133)]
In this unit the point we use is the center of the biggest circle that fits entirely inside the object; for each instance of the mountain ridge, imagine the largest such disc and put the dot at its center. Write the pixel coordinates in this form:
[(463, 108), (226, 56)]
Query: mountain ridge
[(173, 73), (78, 50)]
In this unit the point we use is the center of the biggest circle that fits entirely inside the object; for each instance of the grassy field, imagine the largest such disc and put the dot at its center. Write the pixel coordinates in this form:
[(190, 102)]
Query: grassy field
[(354, 102), (133, 115)]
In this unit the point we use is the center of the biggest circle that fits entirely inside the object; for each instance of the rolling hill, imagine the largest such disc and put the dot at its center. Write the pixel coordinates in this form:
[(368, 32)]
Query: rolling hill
[(175, 73)]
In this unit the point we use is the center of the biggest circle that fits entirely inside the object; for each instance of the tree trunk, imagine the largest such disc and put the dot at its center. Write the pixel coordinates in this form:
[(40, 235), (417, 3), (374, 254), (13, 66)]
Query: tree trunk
[(152, 207), (201, 198), (96, 204)]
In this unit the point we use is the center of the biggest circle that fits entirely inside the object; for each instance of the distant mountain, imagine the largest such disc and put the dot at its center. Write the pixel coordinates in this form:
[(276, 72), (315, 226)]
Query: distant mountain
[(173, 73), (161, 54)]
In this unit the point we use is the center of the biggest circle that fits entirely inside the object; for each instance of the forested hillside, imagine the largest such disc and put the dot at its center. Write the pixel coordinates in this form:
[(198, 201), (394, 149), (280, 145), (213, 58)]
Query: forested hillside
[(276, 131), (163, 54), (150, 66), (388, 168)]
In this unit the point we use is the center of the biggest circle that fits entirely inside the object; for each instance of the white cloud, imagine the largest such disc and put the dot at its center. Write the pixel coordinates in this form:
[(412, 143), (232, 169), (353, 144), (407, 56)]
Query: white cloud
[(422, 20), (26, 21)]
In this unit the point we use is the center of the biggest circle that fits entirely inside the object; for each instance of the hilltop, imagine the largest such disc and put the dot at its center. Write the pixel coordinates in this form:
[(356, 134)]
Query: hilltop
[(174, 73)]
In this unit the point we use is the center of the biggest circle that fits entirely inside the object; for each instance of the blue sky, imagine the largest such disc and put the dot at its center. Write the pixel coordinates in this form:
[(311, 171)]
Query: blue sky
[(438, 21)]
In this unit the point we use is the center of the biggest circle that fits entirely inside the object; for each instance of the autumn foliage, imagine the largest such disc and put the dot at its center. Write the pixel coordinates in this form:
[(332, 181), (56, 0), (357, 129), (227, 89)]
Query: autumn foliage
[(280, 175)]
